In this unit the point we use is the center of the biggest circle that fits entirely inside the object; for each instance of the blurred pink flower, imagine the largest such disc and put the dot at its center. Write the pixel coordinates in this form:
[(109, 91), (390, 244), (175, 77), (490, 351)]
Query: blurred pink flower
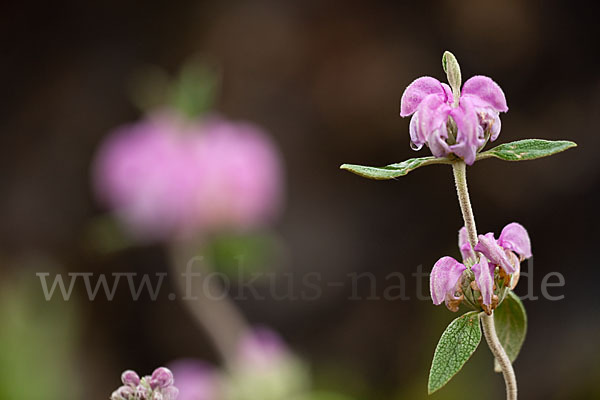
[(142, 173), (168, 177), (241, 175), (196, 380), (265, 368), (262, 348)]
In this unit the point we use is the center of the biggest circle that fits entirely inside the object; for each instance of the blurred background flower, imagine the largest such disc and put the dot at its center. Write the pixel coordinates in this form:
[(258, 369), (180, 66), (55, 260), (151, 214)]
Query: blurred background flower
[(145, 174), (266, 369), (167, 177), (196, 380), (324, 80), (183, 171)]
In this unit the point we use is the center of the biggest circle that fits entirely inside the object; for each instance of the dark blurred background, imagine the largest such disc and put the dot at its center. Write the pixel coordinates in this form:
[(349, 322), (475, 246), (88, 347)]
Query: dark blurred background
[(325, 79)]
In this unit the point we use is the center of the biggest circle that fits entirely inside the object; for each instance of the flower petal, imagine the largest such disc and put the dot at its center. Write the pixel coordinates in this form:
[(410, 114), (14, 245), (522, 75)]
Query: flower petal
[(495, 127), (514, 279), (437, 142), (470, 135), (489, 247), (487, 91), (515, 237), (432, 118), (448, 93), (444, 277), (465, 247), (484, 275), (417, 91), (416, 140)]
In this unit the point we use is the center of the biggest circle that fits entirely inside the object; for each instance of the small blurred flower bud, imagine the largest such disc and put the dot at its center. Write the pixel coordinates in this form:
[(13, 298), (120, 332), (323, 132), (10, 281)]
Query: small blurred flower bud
[(123, 393), (161, 377), (130, 378), (126, 391), (116, 396), (155, 387)]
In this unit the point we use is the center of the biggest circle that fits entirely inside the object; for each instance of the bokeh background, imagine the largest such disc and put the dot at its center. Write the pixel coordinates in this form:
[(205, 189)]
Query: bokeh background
[(324, 78)]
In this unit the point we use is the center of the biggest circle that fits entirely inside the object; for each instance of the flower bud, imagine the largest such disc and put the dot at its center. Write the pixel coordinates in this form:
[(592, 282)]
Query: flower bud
[(161, 377), (130, 378), (116, 396), (127, 391), (123, 393)]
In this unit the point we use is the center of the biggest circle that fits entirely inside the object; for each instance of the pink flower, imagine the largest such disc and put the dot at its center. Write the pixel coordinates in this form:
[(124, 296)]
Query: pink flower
[(430, 103), (512, 247), (513, 239), (262, 348), (445, 280), (158, 386), (167, 177), (265, 368)]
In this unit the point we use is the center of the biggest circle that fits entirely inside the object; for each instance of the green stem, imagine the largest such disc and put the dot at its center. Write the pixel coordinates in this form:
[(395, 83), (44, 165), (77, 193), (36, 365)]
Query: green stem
[(487, 321)]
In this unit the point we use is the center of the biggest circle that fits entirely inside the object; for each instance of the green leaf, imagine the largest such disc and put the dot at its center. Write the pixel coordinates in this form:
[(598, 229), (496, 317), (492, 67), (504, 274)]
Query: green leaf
[(194, 91), (457, 344), (452, 70), (528, 149), (235, 254), (511, 326), (393, 170)]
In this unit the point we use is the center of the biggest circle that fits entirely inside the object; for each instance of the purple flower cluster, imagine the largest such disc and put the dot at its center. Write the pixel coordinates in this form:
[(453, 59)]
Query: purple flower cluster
[(475, 117), (169, 177), (488, 267), (158, 386)]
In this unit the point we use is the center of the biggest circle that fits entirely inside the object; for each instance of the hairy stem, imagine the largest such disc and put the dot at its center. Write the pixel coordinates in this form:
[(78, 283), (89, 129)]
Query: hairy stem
[(460, 179), (487, 321), (489, 331)]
